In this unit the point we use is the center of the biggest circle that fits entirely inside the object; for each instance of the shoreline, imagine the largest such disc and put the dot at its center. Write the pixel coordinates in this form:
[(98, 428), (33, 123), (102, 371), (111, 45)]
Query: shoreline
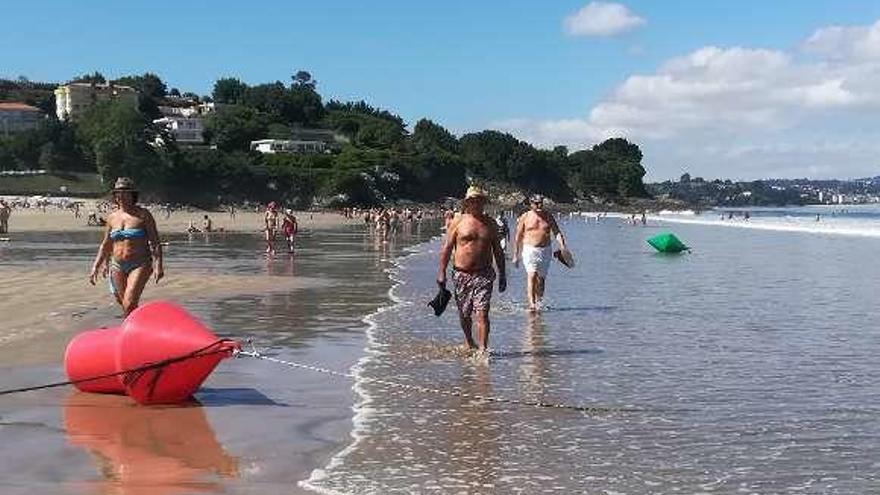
[(360, 408)]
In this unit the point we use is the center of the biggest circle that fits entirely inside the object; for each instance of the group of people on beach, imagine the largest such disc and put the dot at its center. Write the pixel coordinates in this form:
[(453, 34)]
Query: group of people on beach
[(288, 223), (387, 222), (130, 251), (473, 243)]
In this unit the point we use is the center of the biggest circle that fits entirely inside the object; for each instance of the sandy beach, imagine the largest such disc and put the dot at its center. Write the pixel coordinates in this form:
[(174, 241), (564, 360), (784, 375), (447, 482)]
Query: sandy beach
[(229, 441), (56, 219)]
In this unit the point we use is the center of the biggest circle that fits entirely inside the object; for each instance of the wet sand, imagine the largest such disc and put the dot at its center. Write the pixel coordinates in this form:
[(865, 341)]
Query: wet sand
[(255, 428)]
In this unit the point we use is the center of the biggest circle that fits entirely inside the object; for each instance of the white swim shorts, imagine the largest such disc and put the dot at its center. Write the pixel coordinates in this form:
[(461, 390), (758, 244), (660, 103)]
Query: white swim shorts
[(537, 259)]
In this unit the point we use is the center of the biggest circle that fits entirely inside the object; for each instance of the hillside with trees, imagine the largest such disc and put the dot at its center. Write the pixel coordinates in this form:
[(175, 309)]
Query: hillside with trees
[(379, 158)]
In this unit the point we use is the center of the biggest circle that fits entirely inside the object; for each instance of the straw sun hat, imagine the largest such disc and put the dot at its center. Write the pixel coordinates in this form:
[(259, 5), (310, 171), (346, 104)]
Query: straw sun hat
[(474, 192), (124, 184)]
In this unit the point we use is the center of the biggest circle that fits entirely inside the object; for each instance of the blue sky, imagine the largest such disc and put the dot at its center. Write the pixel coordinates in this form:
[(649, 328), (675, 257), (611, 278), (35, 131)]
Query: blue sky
[(472, 65)]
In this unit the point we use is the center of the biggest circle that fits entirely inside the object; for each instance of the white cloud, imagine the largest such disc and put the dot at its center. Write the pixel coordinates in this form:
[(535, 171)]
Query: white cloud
[(846, 42), (764, 100), (601, 19)]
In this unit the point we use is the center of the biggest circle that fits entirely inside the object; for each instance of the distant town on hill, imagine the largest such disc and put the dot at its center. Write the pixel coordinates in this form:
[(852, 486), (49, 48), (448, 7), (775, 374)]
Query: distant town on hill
[(768, 192)]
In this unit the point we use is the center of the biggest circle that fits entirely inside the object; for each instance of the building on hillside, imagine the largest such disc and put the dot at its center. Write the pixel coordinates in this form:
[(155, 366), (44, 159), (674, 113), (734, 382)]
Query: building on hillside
[(272, 146), (185, 123), (301, 141), (17, 117), (74, 98), (185, 130), (189, 111)]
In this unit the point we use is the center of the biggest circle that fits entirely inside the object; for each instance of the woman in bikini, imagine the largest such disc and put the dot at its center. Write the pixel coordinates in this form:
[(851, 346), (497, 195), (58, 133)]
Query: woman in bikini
[(271, 222), (130, 251)]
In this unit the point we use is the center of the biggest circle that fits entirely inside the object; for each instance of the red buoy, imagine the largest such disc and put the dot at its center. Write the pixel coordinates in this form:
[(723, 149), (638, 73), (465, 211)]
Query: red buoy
[(167, 352), (160, 331), (93, 353)]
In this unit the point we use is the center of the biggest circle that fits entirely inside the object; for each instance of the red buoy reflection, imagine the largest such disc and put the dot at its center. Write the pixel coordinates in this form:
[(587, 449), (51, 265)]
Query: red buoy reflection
[(147, 450)]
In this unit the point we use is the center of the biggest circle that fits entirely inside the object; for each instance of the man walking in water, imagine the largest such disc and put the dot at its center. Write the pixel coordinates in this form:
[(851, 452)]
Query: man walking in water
[(473, 242), (532, 241)]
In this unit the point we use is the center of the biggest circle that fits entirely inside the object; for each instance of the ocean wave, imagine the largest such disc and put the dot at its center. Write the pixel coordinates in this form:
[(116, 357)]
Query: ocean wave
[(787, 223)]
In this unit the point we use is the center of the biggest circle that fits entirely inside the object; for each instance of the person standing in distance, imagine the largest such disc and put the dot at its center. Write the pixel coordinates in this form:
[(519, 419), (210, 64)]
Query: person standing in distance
[(473, 243), (532, 241)]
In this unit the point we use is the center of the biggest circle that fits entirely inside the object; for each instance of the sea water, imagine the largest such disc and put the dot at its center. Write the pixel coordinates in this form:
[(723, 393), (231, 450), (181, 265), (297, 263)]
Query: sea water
[(747, 366)]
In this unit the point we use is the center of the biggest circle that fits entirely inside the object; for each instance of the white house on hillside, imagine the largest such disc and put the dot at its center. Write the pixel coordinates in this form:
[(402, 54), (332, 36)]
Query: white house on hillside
[(186, 123), (272, 146), (301, 141)]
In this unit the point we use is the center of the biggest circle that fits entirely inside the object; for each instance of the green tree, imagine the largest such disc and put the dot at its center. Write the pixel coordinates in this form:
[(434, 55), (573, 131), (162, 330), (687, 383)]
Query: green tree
[(147, 84), (303, 79), (229, 90), (279, 131), (488, 154), (95, 77), (233, 127), (116, 136), (428, 136)]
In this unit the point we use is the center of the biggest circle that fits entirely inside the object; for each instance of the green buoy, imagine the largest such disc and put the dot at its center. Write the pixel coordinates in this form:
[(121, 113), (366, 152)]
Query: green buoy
[(667, 243)]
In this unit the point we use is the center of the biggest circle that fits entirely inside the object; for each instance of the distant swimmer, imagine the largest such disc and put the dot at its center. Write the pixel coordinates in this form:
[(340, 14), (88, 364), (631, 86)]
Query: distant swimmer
[(270, 221), (818, 217), (130, 248), (534, 231), (473, 243), (644, 219), (207, 224)]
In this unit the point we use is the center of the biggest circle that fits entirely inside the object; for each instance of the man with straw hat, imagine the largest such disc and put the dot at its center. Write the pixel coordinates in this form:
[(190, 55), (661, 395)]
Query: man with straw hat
[(473, 243)]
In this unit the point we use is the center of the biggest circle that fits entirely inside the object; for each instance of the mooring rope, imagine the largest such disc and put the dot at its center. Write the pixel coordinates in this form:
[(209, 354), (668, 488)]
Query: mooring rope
[(132, 374), (436, 391)]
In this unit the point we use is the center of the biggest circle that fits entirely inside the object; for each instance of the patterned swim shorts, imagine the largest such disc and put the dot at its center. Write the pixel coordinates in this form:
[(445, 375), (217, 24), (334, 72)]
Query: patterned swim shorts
[(473, 290)]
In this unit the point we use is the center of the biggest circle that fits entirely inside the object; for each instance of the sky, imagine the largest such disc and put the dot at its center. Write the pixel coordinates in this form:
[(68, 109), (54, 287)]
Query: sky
[(743, 89)]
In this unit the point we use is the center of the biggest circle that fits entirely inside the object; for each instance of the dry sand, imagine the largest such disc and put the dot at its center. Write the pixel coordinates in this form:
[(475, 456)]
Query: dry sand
[(56, 219)]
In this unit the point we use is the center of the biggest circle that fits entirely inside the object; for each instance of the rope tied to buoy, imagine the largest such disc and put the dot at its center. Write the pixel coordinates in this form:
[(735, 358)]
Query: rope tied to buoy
[(253, 353), (221, 346), (133, 374)]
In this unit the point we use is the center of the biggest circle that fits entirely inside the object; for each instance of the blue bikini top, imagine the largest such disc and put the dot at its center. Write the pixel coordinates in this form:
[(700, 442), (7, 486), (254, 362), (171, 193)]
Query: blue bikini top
[(119, 234)]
